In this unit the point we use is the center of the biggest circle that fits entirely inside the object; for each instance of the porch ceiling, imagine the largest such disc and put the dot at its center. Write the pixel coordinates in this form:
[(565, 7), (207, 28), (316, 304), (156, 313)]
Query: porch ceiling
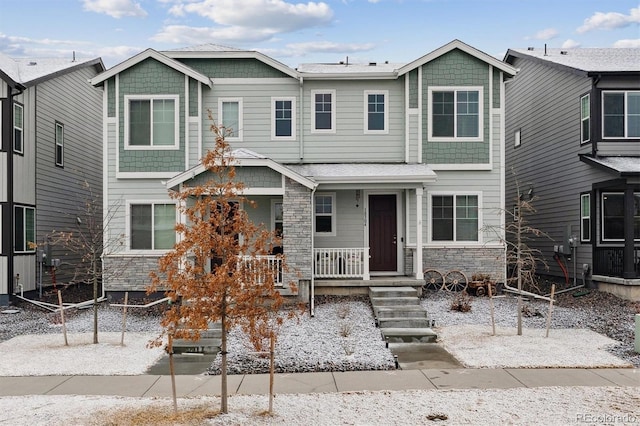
[(379, 173)]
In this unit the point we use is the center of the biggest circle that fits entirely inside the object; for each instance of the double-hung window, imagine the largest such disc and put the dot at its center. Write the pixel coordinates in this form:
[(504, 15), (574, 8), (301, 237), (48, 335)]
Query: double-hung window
[(456, 113), (323, 116), (454, 217), (621, 114), (230, 111), (18, 128), (325, 214), (59, 148), (283, 118), (613, 216), (152, 226), (585, 119), (585, 217), (277, 217), (25, 229), (151, 122), (376, 111)]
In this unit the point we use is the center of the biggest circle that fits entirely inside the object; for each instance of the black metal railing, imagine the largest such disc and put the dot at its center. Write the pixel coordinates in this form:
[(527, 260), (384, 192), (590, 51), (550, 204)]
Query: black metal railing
[(609, 261)]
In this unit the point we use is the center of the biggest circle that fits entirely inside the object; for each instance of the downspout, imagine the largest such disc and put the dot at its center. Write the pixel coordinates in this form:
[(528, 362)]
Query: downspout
[(301, 119), (313, 282)]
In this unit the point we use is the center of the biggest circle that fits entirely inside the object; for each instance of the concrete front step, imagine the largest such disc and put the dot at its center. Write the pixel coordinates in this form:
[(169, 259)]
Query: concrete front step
[(202, 346), (385, 323), (409, 335), (375, 292), (412, 311), (394, 301)]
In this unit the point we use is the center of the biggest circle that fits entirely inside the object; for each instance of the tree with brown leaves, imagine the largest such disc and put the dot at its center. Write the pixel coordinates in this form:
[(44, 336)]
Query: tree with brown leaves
[(220, 269)]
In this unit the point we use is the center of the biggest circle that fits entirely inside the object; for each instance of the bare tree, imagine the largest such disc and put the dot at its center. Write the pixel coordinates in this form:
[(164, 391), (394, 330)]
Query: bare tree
[(217, 271)]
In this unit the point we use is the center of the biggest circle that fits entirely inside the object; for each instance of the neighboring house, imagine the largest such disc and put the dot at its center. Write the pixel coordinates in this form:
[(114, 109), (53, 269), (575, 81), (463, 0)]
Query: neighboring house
[(573, 133), (51, 134), (369, 171)]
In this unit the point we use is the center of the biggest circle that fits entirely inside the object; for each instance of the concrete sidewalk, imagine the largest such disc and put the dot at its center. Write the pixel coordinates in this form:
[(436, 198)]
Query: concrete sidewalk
[(439, 379)]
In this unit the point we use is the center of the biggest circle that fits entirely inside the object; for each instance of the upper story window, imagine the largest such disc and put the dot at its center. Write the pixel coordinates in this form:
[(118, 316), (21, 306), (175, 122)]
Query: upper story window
[(376, 111), (152, 226), (18, 128), (621, 114), (325, 214), (25, 229), (585, 119), (323, 116), (151, 122), (456, 113), (230, 111), (59, 148), (454, 217), (283, 118)]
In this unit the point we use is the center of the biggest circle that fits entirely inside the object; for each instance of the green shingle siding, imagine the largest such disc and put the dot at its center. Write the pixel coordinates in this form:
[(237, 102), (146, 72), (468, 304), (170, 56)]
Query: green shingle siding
[(413, 88), (151, 77), (496, 88), (111, 96), (193, 98), (233, 68), (455, 68), (251, 177)]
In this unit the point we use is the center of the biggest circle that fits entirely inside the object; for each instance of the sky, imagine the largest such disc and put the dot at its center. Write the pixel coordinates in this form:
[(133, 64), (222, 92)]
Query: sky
[(299, 31)]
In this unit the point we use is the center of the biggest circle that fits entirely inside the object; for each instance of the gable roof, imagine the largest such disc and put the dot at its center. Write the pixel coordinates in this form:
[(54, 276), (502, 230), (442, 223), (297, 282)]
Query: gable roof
[(244, 158), (150, 53), (457, 44), (26, 72), (584, 59), (216, 51)]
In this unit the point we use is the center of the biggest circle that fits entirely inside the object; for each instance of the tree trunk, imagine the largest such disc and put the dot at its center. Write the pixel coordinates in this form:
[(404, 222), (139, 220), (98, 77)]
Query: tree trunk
[(223, 350)]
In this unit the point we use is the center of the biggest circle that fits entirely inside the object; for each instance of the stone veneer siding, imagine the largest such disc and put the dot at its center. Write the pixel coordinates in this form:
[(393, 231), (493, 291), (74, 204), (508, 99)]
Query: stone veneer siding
[(130, 273), (296, 243), (468, 260)]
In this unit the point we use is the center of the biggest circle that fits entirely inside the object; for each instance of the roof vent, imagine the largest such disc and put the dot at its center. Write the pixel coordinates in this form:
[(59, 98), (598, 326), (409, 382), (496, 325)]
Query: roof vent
[(564, 52), (372, 64), (32, 64), (529, 48)]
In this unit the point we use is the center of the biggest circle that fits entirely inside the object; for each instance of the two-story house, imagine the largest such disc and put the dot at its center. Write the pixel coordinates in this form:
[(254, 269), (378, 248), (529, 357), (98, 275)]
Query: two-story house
[(573, 138), (51, 130), (373, 173)]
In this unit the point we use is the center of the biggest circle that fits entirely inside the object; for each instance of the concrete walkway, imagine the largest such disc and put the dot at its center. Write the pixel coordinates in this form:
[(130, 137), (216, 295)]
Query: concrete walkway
[(439, 379)]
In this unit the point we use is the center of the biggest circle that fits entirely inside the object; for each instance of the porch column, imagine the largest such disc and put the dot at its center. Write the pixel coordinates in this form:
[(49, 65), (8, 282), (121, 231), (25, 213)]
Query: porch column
[(628, 267), (419, 271)]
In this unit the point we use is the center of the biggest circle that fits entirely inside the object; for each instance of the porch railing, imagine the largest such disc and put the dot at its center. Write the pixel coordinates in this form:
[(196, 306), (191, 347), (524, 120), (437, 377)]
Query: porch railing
[(341, 262), (274, 264), (609, 261)]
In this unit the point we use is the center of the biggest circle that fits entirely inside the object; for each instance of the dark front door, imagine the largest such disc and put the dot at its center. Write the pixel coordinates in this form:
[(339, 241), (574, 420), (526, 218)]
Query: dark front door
[(382, 233)]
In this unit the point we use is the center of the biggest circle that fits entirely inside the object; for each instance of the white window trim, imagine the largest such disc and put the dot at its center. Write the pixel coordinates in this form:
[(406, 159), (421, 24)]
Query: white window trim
[(176, 138), (59, 144), (456, 89), (384, 131), (583, 217), (333, 214), (626, 114), (333, 111), (14, 127), (273, 212), (601, 208), (128, 204), (430, 240), (293, 119), (237, 131), (517, 138), (24, 230), (583, 119)]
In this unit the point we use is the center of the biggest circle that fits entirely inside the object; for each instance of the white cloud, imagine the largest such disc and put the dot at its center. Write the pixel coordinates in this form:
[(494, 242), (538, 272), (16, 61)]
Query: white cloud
[(570, 44), (635, 43), (182, 34), (546, 34), (300, 49), (274, 15), (610, 20), (115, 8)]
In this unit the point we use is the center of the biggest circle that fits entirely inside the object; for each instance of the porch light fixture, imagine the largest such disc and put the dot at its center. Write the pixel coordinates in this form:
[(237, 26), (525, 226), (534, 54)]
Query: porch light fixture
[(357, 197)]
